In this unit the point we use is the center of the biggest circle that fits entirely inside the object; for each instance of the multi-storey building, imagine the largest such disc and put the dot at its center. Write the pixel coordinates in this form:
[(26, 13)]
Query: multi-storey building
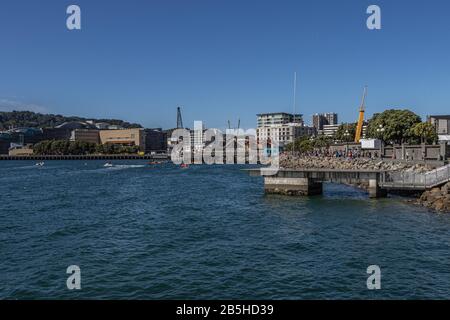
[(278, 118), (86, 135), (5, 143), (442, 125), (332, 118), (318, 121), (281, 127), (322, 119), (329, 130), (56, 133), (155, 140), (127, 137)]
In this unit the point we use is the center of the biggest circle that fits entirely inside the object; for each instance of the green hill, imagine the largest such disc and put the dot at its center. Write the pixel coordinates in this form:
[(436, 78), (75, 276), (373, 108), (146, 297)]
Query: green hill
[(38, 120)]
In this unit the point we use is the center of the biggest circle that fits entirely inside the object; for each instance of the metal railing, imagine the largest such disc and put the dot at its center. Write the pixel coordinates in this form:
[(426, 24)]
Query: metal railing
[(414, 179)]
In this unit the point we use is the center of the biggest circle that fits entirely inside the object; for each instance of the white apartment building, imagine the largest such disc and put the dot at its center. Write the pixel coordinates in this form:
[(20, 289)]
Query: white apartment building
[(278, 118), (281, 127), (330, 130)]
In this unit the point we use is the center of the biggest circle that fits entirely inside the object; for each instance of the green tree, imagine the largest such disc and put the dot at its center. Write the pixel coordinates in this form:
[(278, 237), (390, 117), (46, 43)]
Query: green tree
[(346, 132), (425, 132), (322, 141), (302, 144), (393, 126), (306, 144), (66, 147)]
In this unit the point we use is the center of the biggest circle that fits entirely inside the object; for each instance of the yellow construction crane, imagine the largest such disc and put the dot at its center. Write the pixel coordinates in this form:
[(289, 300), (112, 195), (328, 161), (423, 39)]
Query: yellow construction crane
[(361, 117)]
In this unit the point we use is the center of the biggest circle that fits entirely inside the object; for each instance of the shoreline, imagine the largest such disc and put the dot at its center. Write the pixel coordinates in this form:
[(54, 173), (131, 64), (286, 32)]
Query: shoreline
[(85, 157)]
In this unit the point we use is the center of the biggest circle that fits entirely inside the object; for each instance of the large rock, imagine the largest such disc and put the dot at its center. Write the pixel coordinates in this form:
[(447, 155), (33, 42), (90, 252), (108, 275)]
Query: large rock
[(446, 188), (436, 190), (432, 197), (439, 205), (424, 196), (436, 200)]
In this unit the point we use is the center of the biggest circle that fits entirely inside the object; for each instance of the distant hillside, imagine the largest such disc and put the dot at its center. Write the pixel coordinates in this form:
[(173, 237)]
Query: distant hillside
[(38, 120)]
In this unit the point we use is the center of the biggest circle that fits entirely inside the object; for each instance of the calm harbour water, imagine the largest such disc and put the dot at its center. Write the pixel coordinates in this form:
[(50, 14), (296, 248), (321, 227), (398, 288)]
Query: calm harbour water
[(208, 232)]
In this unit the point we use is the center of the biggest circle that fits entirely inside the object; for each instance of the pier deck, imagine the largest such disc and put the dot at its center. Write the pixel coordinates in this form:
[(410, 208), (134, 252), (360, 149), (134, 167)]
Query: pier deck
[(378, 183)]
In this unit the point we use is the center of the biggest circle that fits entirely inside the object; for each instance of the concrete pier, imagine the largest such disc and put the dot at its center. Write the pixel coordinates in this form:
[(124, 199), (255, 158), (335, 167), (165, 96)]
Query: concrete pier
[(309, 182), (375, 191)]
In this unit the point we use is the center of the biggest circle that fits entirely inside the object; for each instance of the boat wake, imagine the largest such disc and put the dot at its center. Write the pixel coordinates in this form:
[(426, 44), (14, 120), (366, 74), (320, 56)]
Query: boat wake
[(125, 166)]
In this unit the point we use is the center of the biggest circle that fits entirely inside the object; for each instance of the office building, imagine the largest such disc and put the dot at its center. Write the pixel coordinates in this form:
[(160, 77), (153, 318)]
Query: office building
[(329, 130), (126, 137), (332, 118), (266, 120), (155, 140), (321, 119), (281, 127), (4, 145), (21, 151), (25, 135), (86, 135), (285, 133), (318, 121), (56, 133)]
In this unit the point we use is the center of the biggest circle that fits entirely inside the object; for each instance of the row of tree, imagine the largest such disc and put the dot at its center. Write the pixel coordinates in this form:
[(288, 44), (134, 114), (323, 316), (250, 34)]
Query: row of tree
[(392, 126), (66, 147), (306, 144)]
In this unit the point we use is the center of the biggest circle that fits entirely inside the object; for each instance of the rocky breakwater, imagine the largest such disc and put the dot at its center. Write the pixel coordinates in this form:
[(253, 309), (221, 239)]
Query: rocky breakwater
[(308, 162), (437, 199)]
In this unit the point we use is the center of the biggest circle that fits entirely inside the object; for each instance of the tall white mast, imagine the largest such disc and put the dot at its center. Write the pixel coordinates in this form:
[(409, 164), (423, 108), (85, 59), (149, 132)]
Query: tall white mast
[(295, 101), (295, 90)]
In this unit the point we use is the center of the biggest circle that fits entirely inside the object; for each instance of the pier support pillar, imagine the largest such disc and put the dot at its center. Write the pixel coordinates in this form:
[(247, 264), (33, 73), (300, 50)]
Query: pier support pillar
[(292, 186), (375, 191)]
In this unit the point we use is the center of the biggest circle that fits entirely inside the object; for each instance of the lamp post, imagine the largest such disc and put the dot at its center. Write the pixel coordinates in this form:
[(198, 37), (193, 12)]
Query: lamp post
[(346, 135), (380, 131)]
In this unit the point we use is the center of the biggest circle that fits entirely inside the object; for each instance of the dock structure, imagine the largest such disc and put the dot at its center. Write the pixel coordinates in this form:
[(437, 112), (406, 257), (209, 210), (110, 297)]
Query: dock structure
[(309, 182)]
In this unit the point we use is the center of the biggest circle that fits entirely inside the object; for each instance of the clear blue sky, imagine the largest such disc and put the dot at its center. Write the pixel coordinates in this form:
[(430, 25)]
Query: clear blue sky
[(223, 59)]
